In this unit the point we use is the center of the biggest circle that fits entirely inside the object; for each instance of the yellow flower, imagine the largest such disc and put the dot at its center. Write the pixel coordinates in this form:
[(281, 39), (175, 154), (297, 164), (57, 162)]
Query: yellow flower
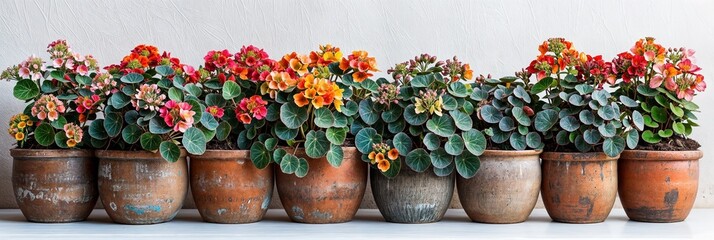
[(19, 136), (21, 125), (24, 117), (71, 143), (29, 122)]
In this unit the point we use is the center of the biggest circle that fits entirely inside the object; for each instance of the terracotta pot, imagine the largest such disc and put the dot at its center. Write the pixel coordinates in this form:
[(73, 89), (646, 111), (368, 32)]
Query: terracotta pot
[(658, 186), (54, 186), (139, 187), (327, 194), (505, 188), (228, 188), (578, 187), (412, 197)]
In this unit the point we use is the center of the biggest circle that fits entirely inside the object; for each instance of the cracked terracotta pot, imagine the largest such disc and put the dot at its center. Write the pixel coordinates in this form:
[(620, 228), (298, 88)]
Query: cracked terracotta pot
[(327, 194), (54, 186), (140, 187), (412, 197), (578, 187), (658, 186), (228, 188), (505, 188)]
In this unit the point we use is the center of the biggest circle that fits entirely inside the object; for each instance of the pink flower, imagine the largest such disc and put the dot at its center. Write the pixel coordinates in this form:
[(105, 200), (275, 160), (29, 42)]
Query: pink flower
[(47, 107), (255, 106), (24, 72), (215, 111), (57, 63), (177, 115), (83, 70)]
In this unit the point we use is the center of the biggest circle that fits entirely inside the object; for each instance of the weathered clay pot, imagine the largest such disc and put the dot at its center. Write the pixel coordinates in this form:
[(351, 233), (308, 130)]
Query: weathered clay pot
[(54, 186), (505, 188), (412, 197), (327, 194), (578, 187), (658, 186), (139, 187), (228, 188)]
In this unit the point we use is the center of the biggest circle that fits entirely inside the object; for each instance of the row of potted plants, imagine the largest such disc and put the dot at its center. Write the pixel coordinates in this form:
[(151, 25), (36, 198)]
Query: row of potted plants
[(315, 123)]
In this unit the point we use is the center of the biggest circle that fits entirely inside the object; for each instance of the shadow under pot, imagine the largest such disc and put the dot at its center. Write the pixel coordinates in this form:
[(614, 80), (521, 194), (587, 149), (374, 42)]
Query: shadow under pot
[(228, 188), (54, 186), (140, 187), (412, 197), (505, 188), (658, 186), (578, 187), (326, 194)]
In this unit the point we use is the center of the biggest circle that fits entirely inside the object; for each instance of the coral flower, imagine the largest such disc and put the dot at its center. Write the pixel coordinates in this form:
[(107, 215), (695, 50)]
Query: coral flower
[(379, 157), (215, 111), (301, 100), (177, 115), (383, 165), (393, 154), (253, 107)]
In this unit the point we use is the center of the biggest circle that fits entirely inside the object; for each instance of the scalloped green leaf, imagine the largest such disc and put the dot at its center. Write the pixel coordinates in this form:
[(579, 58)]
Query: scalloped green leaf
[(131, 133), (365, 138), (194, 141), (454, 145), (316, 144), (467, 164), (418, 160), (490, 114), (323, 118), (441, 125), (474, 141), (289, 164), (45, 134), (569, 123), (403, 143), (260, 155), (613, 146), (169, 151), (231, 90), (521, 116), (413, 118), (149, 141), (545, 120), (132, 78), (518, 141), (292, 116), (113, 123)]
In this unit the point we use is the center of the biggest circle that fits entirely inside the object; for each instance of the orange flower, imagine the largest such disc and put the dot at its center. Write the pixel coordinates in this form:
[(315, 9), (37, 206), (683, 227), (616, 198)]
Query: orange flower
[(383, 165), (393, 154), (19, 136), (299, 64), (371, 155), (300, 100), (468, 73), (71, 143), (310, 93), (245, 118), (360, 76), (379, 157), (318, 102)]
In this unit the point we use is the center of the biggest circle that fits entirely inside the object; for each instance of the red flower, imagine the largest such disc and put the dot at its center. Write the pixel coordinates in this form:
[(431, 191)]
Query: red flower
[(215, 111), (251, 107)]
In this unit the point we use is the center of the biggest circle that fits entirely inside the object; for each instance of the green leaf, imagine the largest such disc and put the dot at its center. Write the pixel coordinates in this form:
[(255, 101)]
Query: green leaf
[(650, 137), (569, 123), (223, 130), (490, 114), (659, 114), (403, 143), (340, 120), (61, 139), (457, 89), (25, 89), (132, 78), (418, 160), (506, 124), (230, 90), (440, 158), (518, 141), (679, 128), (649, 122), (278, 155), (336, 136), (444, 172), (541, 85), (260, 155), (520, 116), (292, 116), (83, 80), (613, 146), (193, 90), (638, 120), (150, 142), (592, 136), (208, 121), (394, 169), (441, 125), (113, 123), (467, 164), (119, 100), (365, 138), (584, 89), (370, 85), (607, 130), (215, 99), (576, 100), (633, 138), (324, 118), (679, 112), (289, 164), (392, 114), (474, 141), (45, 134), (606, 112), (431, 141), (283, 132), (176, 94), (449, 103), (335, 155), (131, 133), (59, 123), (158, 126), (164, 70), (690, 105), (665, 133), (366, 111), (534, 141), (545, 120), (350, 108), (169, 151), (302, 168), (580, 143), (629, 102), (454, 145), (96, 130), (412, 117), (194, 141), (316, 144)]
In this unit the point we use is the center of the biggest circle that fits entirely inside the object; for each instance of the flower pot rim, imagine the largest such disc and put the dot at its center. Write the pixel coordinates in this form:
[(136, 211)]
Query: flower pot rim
[(577, 156), (220, 154), (133, 155), (652, 155), (514, 153), (50, 153)]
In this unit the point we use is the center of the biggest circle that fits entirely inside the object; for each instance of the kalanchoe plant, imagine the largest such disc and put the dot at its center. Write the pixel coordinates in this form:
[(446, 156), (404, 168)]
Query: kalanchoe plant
[(659, 84), (59, 98), (236, 111), (424, 118), (506, 110), (146, 107), (316, 93), (578, 113)]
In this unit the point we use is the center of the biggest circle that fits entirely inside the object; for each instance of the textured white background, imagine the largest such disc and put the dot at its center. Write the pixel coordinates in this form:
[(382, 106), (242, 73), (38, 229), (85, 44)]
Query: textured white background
[(495, 36)]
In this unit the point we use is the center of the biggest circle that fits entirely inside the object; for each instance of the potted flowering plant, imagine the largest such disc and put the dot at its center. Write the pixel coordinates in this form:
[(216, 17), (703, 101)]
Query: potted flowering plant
[(142, 170), (584, 125), (506, 187), (659, 84), (229, 182), (420, 127), (317, 93), (51, 161)]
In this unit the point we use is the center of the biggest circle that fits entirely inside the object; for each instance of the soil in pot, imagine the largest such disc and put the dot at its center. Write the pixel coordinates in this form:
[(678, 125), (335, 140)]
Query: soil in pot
[(412, 197), (658, 186), (505, 188), (54, 186), (138, 187), (327, 194), (578, 187), (228, 188)]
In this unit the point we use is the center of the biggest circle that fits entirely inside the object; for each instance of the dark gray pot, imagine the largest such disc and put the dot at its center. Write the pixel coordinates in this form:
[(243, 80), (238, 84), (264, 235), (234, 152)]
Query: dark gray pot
[(412, 197)]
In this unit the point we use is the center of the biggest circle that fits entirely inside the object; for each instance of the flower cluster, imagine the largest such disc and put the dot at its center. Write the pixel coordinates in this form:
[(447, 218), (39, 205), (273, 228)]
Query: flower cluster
[(555, 55), (19, 126), (279, 81), (430, 101), (73, 133), (148, 96), (325, 55), (318, 91), (142, 56), (177, 115), (32, 68), (249, 108), (387, 94), (104, 84), (47, 107), (456, 70), (87, 105), (59, 49), (595, 68), (218, 60), (215, 111), (361, 63), (63, 58), (252, 63), (381, 154)]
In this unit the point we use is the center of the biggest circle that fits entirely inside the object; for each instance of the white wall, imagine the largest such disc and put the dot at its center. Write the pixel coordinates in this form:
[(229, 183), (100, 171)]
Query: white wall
[(495, 36)]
